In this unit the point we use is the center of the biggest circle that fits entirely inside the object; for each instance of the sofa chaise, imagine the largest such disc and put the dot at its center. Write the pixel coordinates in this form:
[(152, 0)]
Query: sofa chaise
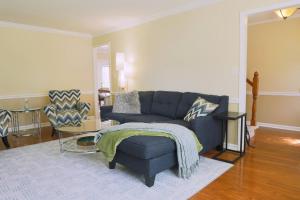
[(150, 155)]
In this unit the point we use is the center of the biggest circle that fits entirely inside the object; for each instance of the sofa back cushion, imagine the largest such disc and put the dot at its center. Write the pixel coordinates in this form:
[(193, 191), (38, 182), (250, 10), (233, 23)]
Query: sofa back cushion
[(146, 98), (64, 99), (165, 103), (188, 99)]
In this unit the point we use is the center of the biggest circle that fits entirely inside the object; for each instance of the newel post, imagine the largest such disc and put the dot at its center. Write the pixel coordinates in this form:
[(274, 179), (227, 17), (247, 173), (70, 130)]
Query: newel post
[(255, 86)]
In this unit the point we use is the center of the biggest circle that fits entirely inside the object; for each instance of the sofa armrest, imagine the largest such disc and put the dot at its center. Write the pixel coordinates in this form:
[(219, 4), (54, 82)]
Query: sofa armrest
[(208, 131), (104, 110), (223, 105), (83, 109), (50, 111)]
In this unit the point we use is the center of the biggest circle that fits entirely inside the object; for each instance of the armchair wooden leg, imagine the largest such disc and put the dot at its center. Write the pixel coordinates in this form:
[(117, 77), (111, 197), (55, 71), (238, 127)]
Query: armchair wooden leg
[(53, 131), (5, 142)]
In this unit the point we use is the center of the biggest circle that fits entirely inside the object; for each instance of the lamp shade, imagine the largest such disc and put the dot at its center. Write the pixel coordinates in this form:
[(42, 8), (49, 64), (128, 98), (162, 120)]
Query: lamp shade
[(287, 12), (120, 61)]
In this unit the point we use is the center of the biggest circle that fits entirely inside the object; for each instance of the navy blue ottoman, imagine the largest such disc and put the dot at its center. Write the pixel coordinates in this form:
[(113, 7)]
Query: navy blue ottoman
[(147, 155)]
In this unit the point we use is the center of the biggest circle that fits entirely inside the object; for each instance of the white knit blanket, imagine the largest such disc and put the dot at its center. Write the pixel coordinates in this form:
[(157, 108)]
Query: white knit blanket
[(187, 154)]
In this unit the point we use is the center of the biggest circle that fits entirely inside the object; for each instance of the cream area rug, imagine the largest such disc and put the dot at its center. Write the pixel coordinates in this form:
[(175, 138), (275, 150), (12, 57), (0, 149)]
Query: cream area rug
[(41, 172)]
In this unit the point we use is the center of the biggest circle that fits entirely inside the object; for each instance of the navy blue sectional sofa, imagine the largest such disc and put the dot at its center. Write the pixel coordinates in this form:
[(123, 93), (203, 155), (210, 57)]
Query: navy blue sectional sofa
[(151, 155)]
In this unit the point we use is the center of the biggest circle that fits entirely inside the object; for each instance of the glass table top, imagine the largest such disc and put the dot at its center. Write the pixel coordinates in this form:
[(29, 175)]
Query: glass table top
[(24, 109), (89, 125)]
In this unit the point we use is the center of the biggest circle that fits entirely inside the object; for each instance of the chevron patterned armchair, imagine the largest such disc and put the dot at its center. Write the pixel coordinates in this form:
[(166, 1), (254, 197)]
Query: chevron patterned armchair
[(65, 108), (5, 117)]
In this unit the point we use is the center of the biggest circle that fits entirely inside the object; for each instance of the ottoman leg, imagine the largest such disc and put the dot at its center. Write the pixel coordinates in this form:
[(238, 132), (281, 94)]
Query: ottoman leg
[(149, 180), (5, 142), (112, 165)]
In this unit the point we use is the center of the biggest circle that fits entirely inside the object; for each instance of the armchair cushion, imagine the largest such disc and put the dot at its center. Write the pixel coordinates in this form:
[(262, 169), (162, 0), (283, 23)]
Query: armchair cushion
[(5, 117), (70, 117)]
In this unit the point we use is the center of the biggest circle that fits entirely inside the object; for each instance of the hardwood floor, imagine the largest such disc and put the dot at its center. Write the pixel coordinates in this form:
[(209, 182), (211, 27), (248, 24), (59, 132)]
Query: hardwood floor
[(270, 171)]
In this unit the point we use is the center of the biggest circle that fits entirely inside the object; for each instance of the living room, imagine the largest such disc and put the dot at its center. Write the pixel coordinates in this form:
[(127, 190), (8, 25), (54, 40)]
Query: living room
[(171, 49)]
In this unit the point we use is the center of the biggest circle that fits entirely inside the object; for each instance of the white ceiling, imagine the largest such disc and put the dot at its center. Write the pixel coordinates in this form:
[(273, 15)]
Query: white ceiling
[(94, 17), (268, 17)]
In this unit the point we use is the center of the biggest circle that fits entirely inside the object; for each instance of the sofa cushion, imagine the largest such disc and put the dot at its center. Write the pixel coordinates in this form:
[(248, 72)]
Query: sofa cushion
[(179, 122), (146, 147), (125, 117), (146, 98), (165, 103), (187, 100), (120, 117), (145, 118)]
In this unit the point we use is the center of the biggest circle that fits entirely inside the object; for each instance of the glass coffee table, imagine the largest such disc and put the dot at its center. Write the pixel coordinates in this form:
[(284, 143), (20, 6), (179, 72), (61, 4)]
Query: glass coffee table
[(82, 137)]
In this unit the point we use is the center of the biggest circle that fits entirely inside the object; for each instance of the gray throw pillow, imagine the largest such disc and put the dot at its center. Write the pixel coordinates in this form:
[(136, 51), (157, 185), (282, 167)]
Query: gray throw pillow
[(127, 103), (200, 108)]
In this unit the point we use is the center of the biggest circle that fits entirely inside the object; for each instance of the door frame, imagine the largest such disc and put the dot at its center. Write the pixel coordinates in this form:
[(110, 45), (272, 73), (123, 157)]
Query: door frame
[(244, 45), (97, 76), (243, 49)]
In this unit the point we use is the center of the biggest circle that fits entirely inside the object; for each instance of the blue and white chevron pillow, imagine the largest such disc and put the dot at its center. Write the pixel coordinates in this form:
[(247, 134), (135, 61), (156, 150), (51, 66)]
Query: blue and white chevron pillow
[(201, 107)]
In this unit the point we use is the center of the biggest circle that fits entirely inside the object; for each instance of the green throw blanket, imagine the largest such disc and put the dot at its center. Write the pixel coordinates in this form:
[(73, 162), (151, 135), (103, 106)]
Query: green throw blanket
[(109, 142)]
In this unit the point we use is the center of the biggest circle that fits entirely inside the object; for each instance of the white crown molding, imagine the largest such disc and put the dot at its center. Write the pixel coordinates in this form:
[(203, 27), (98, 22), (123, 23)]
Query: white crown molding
[(273, 20), (279, 126), (35, 95), (6, 24), (269, 93), (174, 11)]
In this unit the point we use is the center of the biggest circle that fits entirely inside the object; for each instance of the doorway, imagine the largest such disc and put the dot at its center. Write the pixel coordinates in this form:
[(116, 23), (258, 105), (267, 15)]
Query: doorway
[(103, 76), (245, 20)]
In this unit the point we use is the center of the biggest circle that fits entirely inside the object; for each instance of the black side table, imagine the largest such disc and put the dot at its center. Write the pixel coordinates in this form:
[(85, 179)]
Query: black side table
[(225, 117)]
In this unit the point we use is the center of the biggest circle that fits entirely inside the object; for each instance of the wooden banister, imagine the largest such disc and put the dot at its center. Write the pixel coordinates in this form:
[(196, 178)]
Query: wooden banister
[(255, 86)]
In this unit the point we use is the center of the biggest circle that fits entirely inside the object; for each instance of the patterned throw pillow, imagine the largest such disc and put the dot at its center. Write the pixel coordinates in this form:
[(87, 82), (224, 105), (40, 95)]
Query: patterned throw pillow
[(200, 107), (127, 103)]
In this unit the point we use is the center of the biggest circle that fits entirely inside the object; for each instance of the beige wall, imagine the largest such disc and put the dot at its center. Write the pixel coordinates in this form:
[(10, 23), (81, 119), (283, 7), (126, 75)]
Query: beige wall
[(273, 51), (193, 51), (33, 62)]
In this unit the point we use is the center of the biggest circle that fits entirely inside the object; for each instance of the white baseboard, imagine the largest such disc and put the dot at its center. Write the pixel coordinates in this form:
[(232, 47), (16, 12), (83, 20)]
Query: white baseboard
[(279, 126), (30, 126), (234, 147)]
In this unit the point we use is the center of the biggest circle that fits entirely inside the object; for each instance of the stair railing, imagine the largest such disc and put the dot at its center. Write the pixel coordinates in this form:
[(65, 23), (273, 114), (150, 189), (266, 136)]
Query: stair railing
[(254, 84)]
